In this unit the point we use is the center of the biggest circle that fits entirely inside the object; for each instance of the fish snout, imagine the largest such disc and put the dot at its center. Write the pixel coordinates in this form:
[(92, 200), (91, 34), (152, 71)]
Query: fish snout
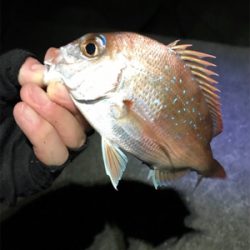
[(51, 55)]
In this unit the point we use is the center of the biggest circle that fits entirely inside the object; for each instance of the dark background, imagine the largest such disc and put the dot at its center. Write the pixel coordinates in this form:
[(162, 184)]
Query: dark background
[(41, 24)]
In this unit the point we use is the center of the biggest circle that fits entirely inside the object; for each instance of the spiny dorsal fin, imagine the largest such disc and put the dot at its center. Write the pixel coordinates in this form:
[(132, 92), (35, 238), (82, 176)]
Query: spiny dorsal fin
[(194, 60)]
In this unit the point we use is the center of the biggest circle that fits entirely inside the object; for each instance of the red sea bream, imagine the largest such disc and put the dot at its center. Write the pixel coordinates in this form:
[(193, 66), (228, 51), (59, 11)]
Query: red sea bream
[(158, 102)]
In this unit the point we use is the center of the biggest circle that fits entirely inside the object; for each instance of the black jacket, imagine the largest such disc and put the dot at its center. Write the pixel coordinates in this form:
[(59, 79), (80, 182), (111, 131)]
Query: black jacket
[(21, 174)]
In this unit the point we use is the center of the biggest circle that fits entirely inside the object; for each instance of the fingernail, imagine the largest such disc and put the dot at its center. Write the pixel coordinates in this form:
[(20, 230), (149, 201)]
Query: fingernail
[(37, 67), (58, 91), (37, 70)]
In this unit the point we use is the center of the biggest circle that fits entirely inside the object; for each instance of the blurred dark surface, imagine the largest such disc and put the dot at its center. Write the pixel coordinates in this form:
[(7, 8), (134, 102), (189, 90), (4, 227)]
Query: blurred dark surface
[(68, 221), (40, 24)]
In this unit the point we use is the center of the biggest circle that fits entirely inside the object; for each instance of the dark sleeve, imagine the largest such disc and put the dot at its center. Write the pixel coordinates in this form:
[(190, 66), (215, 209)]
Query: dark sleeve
[(21, 174)]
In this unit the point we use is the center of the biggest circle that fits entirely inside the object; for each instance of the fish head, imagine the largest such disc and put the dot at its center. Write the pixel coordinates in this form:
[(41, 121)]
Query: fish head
[(89, 66)]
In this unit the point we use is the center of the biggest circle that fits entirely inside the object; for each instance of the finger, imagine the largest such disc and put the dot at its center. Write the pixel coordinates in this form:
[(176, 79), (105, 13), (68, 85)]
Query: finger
[(48, 147), (66, 125), (59, 94), (31, 72)]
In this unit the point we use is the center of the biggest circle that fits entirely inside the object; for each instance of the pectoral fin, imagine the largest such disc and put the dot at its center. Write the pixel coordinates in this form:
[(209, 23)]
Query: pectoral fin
[(115, 161)]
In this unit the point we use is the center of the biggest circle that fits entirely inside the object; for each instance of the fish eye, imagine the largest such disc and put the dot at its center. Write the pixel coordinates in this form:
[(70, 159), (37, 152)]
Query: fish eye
[(92, 46)]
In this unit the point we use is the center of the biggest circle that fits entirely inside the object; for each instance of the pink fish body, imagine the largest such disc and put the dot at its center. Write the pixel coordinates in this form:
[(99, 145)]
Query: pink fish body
[(155, 101)]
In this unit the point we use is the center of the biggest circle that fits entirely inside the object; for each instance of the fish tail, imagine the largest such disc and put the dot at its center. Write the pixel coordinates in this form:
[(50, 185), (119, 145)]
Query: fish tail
[(217, 170)]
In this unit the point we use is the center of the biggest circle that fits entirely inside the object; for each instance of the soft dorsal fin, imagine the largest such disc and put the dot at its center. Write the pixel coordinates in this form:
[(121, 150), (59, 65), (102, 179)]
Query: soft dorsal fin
[(194, 60), (115, 161)]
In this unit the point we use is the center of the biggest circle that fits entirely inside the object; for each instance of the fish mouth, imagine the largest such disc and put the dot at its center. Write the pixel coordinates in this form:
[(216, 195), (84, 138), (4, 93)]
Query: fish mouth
[(50, 75), (90, 101)]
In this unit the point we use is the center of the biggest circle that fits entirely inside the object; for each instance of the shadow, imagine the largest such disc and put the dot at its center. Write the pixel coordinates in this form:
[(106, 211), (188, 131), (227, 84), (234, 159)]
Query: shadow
[(70, 218)]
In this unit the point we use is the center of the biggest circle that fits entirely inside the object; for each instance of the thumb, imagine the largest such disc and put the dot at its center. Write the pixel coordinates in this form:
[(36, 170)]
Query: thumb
[(31, 72)]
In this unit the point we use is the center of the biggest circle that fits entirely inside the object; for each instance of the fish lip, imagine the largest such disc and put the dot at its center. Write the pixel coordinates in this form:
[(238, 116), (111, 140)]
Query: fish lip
[(47, 66), (52, 75)]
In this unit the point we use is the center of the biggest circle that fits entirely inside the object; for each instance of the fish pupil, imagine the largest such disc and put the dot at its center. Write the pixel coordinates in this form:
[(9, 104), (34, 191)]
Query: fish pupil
[(90, 49)]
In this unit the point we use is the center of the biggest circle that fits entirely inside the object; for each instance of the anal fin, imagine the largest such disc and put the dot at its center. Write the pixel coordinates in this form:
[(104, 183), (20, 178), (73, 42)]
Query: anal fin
[(115, 161), (160, 177)]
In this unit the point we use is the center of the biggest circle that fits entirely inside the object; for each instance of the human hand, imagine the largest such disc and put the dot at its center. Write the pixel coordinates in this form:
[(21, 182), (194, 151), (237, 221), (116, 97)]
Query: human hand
[(49, 119)]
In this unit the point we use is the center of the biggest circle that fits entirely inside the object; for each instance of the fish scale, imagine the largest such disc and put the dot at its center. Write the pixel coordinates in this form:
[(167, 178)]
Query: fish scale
[(155, 101), (173, 90)]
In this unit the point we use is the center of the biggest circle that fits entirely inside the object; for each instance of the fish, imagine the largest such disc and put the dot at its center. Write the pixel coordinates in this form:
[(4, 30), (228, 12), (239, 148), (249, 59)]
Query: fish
[(158, 102)]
